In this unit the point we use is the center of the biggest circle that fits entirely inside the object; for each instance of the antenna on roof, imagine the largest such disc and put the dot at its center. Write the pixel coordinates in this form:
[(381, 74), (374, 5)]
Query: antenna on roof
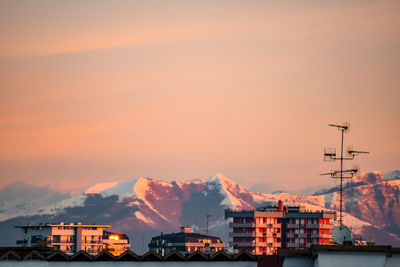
[(208, 222), (330, 155)]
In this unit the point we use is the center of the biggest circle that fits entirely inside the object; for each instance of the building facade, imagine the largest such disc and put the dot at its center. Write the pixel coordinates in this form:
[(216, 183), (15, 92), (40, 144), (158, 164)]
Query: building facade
[(115, 243), (265, 230), (256, 231), (303, 228), (185, 242), (69, 238)]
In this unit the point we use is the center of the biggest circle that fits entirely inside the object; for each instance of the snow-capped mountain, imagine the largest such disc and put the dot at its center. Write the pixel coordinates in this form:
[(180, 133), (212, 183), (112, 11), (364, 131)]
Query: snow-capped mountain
[(145, 207), (372, 198)]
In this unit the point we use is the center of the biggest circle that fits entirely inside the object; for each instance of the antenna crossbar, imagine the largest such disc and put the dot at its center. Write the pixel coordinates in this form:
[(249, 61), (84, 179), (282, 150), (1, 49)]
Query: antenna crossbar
[(330, 155)]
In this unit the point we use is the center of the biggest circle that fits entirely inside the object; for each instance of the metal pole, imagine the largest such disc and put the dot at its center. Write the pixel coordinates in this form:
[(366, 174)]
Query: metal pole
[(341, 183), (349, 173), (207, 224)]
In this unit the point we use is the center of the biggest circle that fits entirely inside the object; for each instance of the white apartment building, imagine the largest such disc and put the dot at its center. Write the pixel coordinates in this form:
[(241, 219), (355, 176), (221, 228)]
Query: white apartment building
[(69, 238)]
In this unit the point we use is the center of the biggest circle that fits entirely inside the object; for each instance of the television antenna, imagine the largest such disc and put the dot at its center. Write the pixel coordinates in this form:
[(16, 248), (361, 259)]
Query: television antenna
[(208, 216), (330, 155)]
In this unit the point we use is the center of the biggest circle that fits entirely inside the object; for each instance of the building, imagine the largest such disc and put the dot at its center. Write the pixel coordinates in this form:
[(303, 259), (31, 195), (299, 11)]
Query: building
[(302, 228), (265, 230), (69, 238), (185, 242), (115, 243), (256, 231)]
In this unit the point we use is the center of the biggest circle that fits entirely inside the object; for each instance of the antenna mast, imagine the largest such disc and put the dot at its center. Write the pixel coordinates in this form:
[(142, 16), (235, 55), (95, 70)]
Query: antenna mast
[(330, 155), (208, 222)]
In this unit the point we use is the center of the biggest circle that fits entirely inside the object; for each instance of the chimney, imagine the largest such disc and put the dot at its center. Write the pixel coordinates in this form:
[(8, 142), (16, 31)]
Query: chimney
[(186, 229), (280, 205)]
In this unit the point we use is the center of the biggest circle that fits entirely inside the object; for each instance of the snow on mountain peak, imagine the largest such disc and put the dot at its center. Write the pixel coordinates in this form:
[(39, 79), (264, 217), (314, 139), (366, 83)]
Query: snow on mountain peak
[(98, 188), (122, 189), (143, 188), (229, 189)]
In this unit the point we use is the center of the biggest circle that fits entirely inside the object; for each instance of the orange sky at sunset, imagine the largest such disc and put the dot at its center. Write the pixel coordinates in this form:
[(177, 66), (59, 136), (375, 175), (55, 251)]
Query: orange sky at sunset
[(96, 91)]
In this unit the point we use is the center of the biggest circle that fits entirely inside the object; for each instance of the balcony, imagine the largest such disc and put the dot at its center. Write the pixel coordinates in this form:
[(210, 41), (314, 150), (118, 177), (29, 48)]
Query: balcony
[(292, 245), (296, 245), (256, 244), (251, 234), (254, 234), (62, 242), (270, 225), (320, 235), (276, 245), (240, 225), (326, 226), (312, 225), (293, 225), (309, 225), (92, 242)]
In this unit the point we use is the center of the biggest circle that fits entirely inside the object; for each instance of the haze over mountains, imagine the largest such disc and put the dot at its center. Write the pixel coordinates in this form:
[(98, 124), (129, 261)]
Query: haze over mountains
[(145, 207)]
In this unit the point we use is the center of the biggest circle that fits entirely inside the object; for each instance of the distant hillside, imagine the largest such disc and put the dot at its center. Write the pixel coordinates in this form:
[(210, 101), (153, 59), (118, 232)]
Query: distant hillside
[(145, 207)]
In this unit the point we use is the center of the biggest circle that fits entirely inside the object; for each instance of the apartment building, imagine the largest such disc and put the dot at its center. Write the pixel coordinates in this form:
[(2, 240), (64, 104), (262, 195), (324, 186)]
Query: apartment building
[(185, 242), (265, 230), (256, 231), (303, 228), (69, 238)]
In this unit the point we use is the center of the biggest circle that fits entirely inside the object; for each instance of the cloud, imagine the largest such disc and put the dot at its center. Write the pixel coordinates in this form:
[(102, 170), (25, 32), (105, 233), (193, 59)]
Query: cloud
[(19, 197)]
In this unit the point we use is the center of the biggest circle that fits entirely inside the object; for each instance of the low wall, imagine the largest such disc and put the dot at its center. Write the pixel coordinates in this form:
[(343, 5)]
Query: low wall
[(40, 263)]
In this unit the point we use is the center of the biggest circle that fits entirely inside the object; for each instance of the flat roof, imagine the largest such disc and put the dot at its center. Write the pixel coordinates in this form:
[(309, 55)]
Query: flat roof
[(315, 249), (63, 225), (253, 213), (279, 214)]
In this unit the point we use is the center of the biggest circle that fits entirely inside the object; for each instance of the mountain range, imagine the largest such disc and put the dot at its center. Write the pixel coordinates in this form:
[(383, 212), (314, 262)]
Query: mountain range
[(144, 207)]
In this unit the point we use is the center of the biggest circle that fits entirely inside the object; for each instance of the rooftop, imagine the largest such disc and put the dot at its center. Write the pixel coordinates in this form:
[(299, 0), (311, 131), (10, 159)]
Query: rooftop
[(314, 249), (30, 253), (61, 224)]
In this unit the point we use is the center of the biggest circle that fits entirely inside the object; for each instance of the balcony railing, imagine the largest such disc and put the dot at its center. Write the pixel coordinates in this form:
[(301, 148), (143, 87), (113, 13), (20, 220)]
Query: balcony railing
[(266, 225), (290, 235), (326, 226), (254, 234), (309, 225), (320, 235), (61, 242), (256, 244), (90, 242), (248, 225)]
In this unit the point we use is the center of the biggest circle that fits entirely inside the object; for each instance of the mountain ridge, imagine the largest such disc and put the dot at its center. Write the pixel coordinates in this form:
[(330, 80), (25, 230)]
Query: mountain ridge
[(145, 206)]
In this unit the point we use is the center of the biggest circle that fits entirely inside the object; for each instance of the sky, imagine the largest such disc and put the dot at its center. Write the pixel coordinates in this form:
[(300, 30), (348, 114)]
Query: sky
[(97, 91)]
